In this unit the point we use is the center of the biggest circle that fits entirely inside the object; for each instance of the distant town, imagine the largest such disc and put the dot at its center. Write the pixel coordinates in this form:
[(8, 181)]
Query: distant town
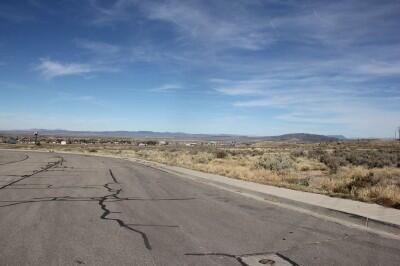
[(58, 140), (149, 138)]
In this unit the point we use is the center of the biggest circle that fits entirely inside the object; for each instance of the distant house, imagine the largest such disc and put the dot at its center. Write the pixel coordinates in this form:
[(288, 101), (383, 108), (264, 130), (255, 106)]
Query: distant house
[(142, 144), (191, 144), (63, 142)]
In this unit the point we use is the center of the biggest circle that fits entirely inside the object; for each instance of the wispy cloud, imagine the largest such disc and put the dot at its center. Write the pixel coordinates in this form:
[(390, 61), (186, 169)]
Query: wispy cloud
[(50, 69), (116, 12), (194, 20), (347, 101), (310, 63), (223, 24), (100, 49), (380, 69), (167, 88), (80, 99)]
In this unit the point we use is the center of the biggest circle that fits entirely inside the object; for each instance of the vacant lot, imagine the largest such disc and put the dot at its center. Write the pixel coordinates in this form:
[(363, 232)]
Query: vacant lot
[(367, 170)]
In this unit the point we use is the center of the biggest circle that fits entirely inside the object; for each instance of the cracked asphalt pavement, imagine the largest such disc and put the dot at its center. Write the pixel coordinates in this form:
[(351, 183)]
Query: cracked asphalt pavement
[(59, 209)]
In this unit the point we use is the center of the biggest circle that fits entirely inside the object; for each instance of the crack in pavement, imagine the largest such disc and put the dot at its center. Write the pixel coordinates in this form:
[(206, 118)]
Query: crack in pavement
[(83, 199), (102, 201), (113, 177), (114, 196), (49, 186), (120, 222), (47, 167), (17, 161)]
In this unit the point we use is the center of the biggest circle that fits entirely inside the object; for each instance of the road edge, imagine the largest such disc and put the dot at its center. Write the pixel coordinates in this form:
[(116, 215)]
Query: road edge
[(346, 218), (352, 219)]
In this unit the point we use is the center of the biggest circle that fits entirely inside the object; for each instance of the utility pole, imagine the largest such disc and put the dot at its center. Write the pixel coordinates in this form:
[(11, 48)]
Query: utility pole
[(398, 135)]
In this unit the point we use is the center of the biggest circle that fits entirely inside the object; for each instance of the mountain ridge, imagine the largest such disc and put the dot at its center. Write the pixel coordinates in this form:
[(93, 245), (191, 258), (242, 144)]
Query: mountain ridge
[(300, 137)]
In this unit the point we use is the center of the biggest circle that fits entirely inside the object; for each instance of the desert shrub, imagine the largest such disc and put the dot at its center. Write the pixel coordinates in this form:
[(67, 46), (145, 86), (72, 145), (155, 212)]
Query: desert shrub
[(298, 153), (316, 153), (193, 151), (275, 162), (256, 152), (370, 158), (304, 182), (388, 195), (304, 167), (92, 150), (297, 181), (350, 181), (330, 161), (203, 157), (220, 154), (363, 181)]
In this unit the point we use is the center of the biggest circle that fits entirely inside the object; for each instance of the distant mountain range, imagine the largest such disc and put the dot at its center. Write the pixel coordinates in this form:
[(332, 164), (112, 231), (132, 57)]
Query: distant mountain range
[(295, 137)]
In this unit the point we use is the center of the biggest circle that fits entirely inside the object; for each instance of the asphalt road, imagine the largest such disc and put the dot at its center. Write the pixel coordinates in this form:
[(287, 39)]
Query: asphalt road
[(58, 209)]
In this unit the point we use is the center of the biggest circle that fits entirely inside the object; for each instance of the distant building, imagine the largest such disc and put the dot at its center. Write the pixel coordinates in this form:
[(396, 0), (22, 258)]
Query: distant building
[(191, 144), (63, 142), (142, 144)]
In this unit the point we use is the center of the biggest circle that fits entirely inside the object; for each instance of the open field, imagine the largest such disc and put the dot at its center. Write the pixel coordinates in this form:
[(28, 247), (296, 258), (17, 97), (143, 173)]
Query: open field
[(365, 170)]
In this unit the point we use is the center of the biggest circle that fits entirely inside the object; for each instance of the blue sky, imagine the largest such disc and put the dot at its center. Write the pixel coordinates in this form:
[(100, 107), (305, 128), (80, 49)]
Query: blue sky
[(261, 67)]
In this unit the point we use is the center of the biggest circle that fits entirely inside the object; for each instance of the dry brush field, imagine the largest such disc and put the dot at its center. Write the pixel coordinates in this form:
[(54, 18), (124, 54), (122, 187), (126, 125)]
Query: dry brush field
[(365, 170)]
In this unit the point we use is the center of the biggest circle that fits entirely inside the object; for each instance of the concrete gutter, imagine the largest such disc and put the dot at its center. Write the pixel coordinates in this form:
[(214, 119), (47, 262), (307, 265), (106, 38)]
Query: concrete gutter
[(367, 216)]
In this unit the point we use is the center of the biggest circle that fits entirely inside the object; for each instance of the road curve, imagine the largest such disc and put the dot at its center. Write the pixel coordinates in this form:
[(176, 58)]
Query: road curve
[(59, 209)]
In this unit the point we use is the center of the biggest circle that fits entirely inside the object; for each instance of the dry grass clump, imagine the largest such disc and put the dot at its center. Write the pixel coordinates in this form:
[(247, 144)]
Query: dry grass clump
[(275, 162), (371, 158), (373, 185)]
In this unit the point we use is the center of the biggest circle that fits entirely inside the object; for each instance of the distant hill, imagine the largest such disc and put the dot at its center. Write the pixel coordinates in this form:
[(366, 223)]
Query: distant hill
[(294, 137), (341, 137), (302, 137)]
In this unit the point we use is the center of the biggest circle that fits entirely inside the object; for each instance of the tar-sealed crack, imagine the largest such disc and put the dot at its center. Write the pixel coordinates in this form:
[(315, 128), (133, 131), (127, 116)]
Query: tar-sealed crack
[(114, 196), (47, 167), (17, 161), (107, 212)]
